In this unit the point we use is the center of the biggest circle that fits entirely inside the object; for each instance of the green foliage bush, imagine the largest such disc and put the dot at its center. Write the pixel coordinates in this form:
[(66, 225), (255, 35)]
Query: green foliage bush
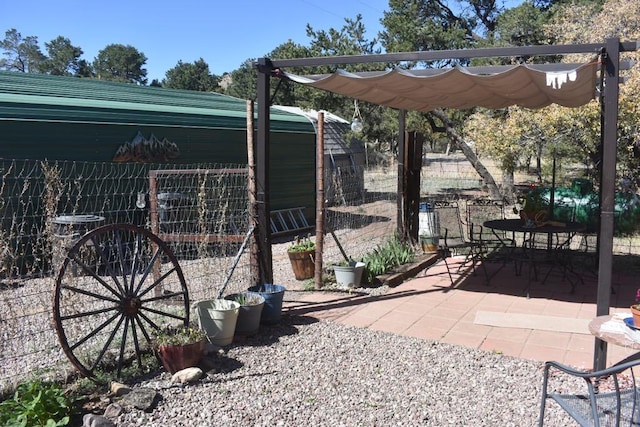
[(36, 404), (386, 257)]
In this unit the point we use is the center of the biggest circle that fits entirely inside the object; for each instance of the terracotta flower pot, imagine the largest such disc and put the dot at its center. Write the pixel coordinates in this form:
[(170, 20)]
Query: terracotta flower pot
[(177, 357), (636, 315)]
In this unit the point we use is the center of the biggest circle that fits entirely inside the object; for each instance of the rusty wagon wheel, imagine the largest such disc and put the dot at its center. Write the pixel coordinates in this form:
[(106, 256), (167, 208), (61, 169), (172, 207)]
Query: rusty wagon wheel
[(107, 301)]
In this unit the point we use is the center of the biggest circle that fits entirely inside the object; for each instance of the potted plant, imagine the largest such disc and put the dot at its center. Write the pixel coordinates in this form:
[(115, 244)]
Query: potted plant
[(348, 273), (251, 305), (533, 210), (180, 347), (301, 254), (635, 310)]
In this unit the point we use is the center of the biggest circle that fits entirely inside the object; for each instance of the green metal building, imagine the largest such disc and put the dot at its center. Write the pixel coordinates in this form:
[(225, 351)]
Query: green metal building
[(65, 118)]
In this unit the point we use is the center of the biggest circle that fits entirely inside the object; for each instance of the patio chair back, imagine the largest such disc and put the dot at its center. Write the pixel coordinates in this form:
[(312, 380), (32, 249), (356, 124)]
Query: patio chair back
[(450, 225), (454, 240), (607, 397), (496, 244)]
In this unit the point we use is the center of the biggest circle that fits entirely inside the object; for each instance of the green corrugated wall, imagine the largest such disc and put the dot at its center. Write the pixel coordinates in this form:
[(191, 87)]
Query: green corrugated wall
[(64, 118)]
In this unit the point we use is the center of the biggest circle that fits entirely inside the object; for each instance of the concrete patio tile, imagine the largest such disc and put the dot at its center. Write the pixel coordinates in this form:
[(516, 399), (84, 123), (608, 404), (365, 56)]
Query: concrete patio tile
[(514, 335), (421, 331), (463, 339), (430, 321), (405, 318), (498, 300), (542, 353), (376, 310), (579, 359), (561, 309), (587, 311), (358, 320), (472, 328), (528, 305), (389, 326), (581, 343), (413, 307), (445, 312), (549, 339)]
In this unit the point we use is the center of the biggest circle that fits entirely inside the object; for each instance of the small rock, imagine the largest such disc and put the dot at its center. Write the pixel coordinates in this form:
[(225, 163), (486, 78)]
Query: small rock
[(92, 420), (113, 411), (140, 398), (119, 389), (188, 375)]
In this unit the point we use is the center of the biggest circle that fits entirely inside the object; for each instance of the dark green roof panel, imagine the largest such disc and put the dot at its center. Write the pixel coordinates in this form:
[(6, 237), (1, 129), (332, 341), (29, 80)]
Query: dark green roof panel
[(40, 97)]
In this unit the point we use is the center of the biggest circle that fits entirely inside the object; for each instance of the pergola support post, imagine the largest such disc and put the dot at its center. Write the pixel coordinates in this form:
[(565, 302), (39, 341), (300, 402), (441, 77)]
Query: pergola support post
[(262, 171), (415, 142), (611, 64), (402, 183)]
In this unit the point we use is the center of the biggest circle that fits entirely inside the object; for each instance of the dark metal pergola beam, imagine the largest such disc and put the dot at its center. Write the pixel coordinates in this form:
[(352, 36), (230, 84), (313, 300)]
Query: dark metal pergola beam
[(438, 55)]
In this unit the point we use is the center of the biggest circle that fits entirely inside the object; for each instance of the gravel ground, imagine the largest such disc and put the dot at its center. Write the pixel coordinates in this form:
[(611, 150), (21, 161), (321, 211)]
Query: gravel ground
[(303, 372)]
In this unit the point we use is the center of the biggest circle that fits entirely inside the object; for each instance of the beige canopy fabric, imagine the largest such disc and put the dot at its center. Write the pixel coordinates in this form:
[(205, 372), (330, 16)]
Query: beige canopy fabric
[(531, 86)]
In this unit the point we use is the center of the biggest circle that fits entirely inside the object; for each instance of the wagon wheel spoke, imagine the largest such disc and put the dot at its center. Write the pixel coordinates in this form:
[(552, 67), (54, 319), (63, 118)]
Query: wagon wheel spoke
[(166, 295), (91, 272), (107, 344), (117, 284), (123, 344), (155, 283), (92, 294), (93, 333), (146, 334), (146, 272), (88, 313), (163, 313)]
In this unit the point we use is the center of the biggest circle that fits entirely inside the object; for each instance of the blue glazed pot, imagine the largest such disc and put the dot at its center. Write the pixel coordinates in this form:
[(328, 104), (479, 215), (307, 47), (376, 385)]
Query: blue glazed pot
[(273, 296)]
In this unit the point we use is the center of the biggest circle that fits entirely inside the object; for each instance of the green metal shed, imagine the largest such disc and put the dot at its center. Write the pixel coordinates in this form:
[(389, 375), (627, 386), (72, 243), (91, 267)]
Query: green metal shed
[(66, 118)]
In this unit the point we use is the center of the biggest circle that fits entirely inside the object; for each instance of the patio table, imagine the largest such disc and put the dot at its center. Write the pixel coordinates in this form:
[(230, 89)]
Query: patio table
[(556, 255), (612, 329)]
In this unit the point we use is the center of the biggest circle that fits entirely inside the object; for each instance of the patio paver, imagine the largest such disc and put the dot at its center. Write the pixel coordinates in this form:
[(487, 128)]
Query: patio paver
[(428, 307)]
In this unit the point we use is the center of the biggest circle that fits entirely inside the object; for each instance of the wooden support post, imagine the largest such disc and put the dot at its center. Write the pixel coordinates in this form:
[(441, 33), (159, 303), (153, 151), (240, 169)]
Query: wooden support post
[(254, 262), (319, 201)]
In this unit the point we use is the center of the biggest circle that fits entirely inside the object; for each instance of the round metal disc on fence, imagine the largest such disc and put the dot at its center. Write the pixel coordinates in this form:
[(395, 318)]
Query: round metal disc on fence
[(117, 285)]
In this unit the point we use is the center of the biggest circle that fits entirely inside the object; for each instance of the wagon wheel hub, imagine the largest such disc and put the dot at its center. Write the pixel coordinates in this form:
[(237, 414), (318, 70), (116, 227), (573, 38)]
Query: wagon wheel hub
[(131, 305)]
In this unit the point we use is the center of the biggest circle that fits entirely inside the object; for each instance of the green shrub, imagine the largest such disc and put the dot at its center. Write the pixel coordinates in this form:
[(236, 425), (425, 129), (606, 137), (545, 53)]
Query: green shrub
[(386, 257), (36, 404)]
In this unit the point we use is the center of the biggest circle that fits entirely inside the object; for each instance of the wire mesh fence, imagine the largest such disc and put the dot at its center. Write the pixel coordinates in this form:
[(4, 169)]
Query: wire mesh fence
[(201, 214), (200, 211)]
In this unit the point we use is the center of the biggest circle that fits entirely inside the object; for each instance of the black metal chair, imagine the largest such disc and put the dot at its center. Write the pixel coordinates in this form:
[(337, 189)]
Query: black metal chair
[(455, 241), (616, 406), (497, 245)]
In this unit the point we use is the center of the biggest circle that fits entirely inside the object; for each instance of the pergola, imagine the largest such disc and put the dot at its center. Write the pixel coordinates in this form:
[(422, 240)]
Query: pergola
[(532, 86)]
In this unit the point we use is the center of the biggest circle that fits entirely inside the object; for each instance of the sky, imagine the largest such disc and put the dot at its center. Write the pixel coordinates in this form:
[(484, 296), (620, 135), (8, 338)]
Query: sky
[(225, 33)]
